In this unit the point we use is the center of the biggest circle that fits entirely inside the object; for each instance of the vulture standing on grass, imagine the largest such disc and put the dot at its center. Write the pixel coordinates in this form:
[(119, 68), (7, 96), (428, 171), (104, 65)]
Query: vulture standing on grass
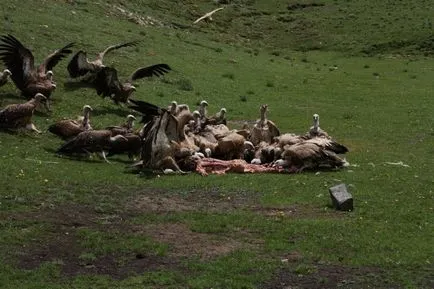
[(68, 128), (107, 83), (20, 61), (15, 116), (80, 64), (4, 76), (91, 141)]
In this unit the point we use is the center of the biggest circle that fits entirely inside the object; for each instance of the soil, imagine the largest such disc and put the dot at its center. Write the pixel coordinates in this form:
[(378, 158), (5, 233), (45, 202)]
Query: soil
[(62, 245)]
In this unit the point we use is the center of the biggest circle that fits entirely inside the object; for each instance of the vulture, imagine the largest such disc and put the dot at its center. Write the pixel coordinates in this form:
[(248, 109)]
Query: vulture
[(315, 153), (315, 130), (125, 128), (20, 61), (207, 16), (232, 146), (15, 116), (265, 153), (80, 64), (289, 139), (68, 128), (4, 76), (202, 109), (132, 146), (163, 137), (91, 141), (176, 108), (264, 129), (218, 118), (107, 83)]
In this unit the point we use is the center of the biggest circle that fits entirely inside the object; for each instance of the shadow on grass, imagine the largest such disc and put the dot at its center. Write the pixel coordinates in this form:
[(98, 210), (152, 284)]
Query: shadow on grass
[(119, 111), (8, 95), (74, 85)]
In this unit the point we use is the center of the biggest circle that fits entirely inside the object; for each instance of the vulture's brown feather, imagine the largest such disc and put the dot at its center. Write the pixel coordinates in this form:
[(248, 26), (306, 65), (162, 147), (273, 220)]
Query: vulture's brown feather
[(20, 61)]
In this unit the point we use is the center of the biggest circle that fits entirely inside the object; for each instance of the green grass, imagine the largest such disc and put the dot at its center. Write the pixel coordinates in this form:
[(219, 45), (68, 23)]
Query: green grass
[(254, 52)]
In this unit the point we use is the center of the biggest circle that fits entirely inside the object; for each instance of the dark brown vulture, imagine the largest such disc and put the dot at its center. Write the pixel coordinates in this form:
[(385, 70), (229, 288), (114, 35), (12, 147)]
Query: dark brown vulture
[(107, 83), (91, 141), (15, 116), (132, 146), (68, 128), (20, 61), (80, 64), (125, 128), (4, 76)]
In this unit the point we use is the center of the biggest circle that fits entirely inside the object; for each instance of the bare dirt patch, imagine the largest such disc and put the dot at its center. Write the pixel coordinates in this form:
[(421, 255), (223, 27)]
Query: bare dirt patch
[(61, 244), (65, 251), (209, 201), (215, 202), (328, 276), (185, 243)]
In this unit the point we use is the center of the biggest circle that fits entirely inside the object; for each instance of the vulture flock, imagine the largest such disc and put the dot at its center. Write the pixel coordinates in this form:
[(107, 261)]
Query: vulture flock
[(170, 139)]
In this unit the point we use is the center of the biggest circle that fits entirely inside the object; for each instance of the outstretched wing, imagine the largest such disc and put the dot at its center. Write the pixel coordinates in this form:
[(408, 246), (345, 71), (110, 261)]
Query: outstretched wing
[(107, 82), (79, 66), (149, 71), (18, 59), (148, 110), (54, 58), (114, 47)]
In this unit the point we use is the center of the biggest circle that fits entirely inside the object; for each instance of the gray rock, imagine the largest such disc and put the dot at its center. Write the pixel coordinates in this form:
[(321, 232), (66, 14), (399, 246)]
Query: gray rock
[(341, 198)]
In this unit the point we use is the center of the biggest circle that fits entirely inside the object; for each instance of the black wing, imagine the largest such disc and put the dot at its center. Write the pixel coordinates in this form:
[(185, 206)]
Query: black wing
[(79, 66), (54, 58), (149, 71), (18, 59), (107, 82), (148, 110)]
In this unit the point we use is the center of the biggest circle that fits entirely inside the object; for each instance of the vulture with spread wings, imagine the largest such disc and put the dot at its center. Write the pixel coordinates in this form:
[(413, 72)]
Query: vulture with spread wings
[(27, 77), (107, 83), (161, 141), (80, 64)]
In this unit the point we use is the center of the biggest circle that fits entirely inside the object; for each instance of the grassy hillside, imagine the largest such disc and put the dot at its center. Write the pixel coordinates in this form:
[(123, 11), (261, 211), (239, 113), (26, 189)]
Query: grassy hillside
[(365, 67)]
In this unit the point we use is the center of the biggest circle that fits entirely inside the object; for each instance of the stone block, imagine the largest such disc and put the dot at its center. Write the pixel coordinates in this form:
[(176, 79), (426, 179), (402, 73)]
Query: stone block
[(341, 198)]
